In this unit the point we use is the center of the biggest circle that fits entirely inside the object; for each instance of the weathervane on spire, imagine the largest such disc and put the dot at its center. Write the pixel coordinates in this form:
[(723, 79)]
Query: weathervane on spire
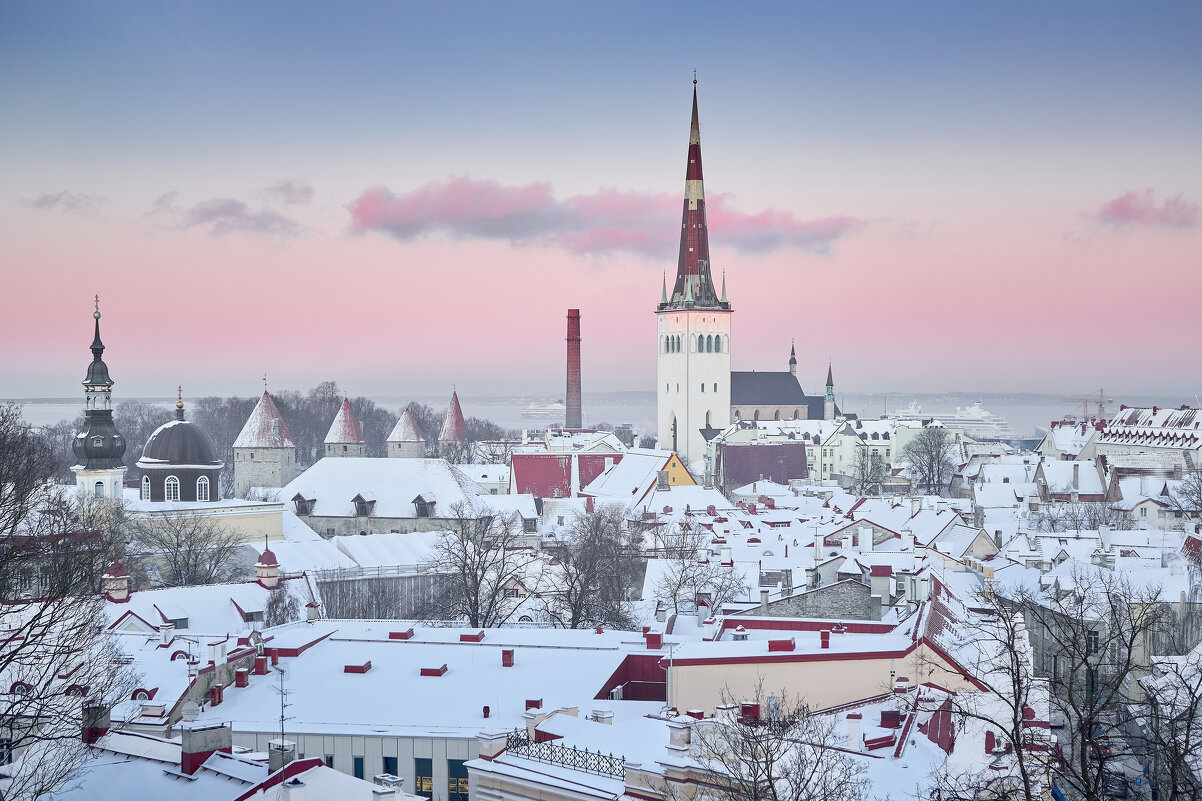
[(694, 77), (96, 313), (264, 382)]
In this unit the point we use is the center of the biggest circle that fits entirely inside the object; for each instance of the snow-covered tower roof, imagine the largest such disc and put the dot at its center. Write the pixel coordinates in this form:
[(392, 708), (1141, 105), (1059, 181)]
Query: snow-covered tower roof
[(406, 429), (265, 428), (345, 429), (453, 427)]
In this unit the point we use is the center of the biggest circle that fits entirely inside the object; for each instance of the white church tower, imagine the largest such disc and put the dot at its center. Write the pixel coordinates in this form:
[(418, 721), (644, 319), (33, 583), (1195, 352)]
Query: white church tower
[(99, 471), (693, 330)]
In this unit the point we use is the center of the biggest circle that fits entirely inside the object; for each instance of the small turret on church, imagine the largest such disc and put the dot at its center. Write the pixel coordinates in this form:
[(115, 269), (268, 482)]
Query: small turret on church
[(264, 452), (98, 448), (793, 359), (828, 403), (345, 437)]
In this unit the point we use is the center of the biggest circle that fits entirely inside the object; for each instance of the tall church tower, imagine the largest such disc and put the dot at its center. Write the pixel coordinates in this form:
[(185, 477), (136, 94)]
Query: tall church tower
[(98, 470), (693, 330)]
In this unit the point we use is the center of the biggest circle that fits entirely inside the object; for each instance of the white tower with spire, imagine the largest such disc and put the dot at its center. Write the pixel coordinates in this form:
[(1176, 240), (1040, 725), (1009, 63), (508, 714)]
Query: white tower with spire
[(693, 334)]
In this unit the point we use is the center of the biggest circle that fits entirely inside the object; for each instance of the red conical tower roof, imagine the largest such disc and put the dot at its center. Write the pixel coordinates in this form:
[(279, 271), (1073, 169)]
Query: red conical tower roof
[(345, 429), (453, 427), (265, 428), (406, 429), (694, 287)]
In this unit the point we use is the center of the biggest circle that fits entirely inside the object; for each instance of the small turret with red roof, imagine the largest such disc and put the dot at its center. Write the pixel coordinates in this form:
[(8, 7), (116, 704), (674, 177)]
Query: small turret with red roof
[(267, 569), (116, 583), (454, 431), (345, 437)]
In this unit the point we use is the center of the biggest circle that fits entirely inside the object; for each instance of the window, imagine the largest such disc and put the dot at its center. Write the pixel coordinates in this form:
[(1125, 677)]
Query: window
[(423, 771), (703, 386), (390, 765), (457, 780), (253, 617), (715, 386), (202, 488), (97, 442), (709, 344), (756, 416), (344, 449), (99, 489), (1091, 641), (171, 489), (528, 525), (511, 592), (357, 768), (718, 344), (141, 695), (252, 455), (146, 488), (6, 751), (329, 760)]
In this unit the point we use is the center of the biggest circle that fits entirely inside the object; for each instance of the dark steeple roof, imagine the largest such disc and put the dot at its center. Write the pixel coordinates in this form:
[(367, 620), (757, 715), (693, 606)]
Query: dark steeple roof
[(98, 446), (179, 443), (694, 287)]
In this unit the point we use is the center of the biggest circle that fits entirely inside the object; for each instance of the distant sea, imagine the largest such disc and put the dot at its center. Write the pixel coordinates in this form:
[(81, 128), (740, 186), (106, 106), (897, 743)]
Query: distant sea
[(1028, 413)]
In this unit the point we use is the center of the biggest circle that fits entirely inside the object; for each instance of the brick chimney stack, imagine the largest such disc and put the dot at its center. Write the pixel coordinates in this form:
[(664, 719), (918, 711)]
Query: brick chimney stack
[(573, 417)]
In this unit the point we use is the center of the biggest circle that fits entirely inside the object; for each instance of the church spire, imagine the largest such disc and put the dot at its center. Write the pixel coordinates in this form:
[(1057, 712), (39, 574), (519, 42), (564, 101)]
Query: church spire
[(694, 284), (792, 358)]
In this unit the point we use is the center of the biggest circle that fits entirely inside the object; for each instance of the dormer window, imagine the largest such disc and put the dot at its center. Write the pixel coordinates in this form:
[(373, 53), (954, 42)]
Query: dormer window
[(363, 506), (97, 442), (528, 524), (424, 505), (304, 506)]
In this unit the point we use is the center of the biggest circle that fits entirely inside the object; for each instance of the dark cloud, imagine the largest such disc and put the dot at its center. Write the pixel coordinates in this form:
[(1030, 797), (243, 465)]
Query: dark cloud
[(225, 216), (78, 202), (288, 191)]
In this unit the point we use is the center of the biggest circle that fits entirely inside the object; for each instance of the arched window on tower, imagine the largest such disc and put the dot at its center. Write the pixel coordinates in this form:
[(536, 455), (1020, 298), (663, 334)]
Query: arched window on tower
[(718, 344), (709, 344), (202, 488), (776, 416), (708, 424), (98, 489), (171, 489), (796, 414), (679, 343), (700, 344), (757, 415), (146, 488)]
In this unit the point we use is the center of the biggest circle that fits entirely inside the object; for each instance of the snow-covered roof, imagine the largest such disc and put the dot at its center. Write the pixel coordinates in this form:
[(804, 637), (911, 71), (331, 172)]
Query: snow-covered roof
[(406, 429), (388, 550), (333, 483), (454, 429), (265, 428), (630, 479), (345, 429)]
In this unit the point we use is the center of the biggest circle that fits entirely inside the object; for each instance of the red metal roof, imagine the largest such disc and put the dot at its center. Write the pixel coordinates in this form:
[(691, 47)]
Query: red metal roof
[(345, 429), (543, 475), (453, 427)]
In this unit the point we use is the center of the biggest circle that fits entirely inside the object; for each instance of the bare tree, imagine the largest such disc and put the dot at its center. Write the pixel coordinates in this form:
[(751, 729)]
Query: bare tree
[(481, 559), (137, 421), (1187, 498), (56, 655), (1094, 632), (282, 606), (1080, 516), (930, 456), (592, 573), (867, 472), (772, 748), (191, 548), (691, 573), (1171, 734)]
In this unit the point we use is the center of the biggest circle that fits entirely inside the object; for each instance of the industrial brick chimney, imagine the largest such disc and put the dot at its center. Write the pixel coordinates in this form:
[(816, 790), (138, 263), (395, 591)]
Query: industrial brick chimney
[(572, 417)]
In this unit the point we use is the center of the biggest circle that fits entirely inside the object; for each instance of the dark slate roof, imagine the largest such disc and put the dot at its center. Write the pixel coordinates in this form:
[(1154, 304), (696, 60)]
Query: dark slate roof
[(179, 443), (767, 389)]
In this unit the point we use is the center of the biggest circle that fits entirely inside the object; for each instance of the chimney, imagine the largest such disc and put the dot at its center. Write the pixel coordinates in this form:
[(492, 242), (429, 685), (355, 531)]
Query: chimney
[(853, 731), (242, 677), (166, 633), (573, 416), (727, 558), (1104, 536), (678, 735), (506, 657), (116, 583), (865, 539), (707, 629), (605, 716), (201, 741), (312, 611), (294, 789), (907, 536), (915, 506), (96, 723), (764, 601), (1076, 475), (279, 753), (846, 542), (662, 483), (825, 637), (818, 547), (661, 613)]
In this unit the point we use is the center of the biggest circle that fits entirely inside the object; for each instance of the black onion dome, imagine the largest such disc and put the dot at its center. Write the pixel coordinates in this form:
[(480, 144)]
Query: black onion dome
[(98, 371), (179, 443)]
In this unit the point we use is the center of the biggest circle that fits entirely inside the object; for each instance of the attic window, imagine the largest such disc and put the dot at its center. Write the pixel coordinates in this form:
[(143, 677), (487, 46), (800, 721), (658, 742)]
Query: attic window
[(304, 506), (253, 617), (363, 506), (179, 623), (528, 524)]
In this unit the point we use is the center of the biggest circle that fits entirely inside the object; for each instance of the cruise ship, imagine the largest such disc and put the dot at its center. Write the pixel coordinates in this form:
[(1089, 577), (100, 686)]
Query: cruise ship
[(977, 422), (556, 409)]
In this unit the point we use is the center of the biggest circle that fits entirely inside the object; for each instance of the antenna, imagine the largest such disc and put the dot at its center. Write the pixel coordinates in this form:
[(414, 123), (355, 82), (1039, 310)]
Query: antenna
[(283, 693)]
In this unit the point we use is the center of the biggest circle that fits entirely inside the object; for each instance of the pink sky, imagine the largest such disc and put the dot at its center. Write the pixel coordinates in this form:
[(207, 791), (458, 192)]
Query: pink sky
[(403, 199)]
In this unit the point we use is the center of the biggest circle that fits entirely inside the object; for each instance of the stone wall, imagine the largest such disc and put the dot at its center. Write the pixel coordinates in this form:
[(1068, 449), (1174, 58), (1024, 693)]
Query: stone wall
[(844, 600)]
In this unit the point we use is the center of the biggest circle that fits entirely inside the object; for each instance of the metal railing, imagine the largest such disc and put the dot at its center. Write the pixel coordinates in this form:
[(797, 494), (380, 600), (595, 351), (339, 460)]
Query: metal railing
[(519, 744)]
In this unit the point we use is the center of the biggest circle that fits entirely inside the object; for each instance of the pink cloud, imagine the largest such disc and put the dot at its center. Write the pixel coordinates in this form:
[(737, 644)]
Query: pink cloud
[(1140, 208), (606, 221)]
